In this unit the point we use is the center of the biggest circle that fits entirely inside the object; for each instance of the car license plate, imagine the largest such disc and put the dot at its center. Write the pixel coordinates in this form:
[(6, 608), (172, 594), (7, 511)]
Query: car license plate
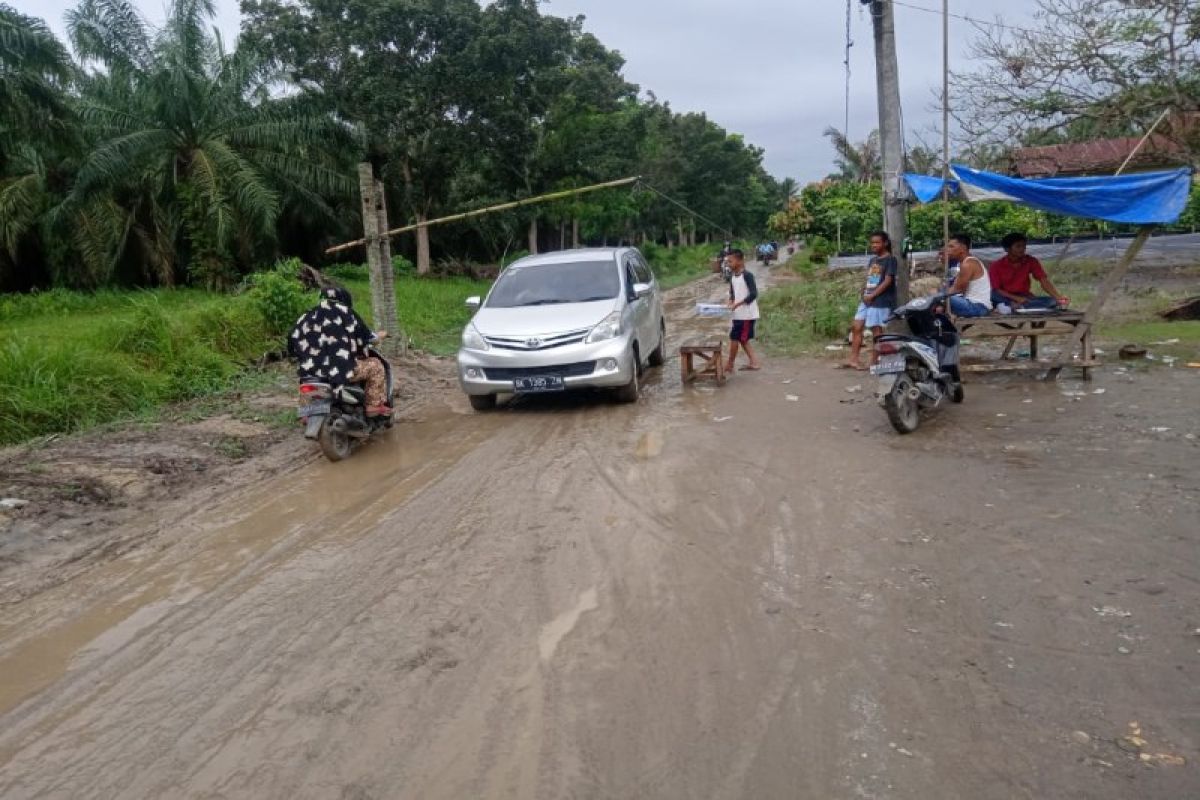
[(541, 383), (889, 364), (314, 409)]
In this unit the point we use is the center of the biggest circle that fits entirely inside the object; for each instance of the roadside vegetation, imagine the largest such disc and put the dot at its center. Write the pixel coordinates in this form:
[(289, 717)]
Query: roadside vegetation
[(812, 307), (73, 360)]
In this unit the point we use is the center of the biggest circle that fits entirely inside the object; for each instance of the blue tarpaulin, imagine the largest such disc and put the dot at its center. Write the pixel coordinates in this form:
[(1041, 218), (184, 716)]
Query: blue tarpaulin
[(1141, 199), (926, 188)]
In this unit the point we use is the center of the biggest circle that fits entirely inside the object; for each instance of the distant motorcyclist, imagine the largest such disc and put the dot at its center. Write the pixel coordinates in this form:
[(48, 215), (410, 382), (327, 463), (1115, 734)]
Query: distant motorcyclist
[(330, 344)]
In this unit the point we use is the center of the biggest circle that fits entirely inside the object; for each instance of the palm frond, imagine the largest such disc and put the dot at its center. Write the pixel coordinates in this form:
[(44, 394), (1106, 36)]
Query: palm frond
[(111, 32), (245, 188), (117, 160)]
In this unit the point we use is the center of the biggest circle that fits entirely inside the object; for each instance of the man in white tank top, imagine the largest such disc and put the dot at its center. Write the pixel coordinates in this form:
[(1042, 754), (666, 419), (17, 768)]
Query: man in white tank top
[(973, 288)]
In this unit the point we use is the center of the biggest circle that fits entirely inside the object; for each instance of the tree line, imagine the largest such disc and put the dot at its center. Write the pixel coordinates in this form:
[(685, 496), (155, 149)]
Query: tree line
[(1081, 70), (135, 155)]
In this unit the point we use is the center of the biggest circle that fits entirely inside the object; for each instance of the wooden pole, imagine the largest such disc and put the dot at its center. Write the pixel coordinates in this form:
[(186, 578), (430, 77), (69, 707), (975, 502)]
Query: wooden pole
[(397, 343), (383, 292), (946, 127), (545, 198), (1093, 310), (1143, 141)]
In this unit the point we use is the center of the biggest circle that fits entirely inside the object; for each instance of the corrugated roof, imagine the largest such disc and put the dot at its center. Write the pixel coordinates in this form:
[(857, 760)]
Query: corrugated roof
[(1103, 156)]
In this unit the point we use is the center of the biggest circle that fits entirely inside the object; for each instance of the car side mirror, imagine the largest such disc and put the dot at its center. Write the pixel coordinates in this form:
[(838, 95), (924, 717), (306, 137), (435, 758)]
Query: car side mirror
[(642, 289), (474, 302)]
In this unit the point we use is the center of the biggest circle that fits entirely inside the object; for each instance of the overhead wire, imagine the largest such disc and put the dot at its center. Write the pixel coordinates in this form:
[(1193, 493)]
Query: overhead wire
[(641, 184), (964, 18)]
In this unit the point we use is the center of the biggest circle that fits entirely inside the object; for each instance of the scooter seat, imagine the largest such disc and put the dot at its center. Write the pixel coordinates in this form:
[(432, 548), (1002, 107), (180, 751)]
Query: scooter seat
[(353, 395)]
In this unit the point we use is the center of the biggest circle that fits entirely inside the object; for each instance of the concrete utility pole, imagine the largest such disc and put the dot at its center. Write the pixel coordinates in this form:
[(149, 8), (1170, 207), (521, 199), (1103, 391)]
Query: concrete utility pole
[(887, 76)]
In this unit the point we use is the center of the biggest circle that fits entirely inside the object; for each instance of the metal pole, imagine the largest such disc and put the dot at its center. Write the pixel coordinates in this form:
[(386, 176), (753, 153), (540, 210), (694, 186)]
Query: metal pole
[(946, 126)]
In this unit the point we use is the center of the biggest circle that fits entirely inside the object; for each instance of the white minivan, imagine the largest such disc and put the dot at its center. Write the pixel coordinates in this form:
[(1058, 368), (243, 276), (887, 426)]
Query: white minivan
[(567, 320)]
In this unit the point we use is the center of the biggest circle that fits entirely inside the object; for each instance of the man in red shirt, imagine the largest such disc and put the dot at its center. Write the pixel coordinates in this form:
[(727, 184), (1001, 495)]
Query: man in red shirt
[(1011, 276)]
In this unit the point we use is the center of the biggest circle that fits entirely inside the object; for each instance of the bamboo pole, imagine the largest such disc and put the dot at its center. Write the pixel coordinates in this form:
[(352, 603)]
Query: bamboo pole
[(545, 198)]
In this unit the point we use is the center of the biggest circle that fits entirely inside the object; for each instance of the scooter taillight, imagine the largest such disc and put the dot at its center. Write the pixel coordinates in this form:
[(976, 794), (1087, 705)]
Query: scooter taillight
[(886, 348)]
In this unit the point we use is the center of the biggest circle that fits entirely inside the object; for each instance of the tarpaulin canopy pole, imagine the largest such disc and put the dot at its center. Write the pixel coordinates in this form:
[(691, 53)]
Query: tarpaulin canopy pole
[(1093, 310)]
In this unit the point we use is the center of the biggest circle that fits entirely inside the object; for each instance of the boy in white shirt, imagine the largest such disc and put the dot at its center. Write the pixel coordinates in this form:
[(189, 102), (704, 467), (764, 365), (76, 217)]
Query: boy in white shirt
[(743, 300)]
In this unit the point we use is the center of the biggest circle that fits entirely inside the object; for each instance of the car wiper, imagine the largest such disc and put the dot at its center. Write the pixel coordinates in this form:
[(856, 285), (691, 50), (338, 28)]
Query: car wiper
[(593, 299), (547, 302)]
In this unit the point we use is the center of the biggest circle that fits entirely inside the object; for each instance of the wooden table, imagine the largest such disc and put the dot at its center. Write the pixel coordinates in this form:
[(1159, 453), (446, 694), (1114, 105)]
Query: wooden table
[(711, 352), (1033, 327)]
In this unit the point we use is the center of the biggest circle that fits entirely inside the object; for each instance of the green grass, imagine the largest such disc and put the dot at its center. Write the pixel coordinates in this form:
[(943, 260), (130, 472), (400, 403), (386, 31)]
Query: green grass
[(432, 311), (676, 266), (798, 317), (70, 361), (1146, 333)]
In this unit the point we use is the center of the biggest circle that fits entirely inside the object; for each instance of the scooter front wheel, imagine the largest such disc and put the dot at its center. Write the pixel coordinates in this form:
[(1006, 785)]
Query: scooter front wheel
[(902, 409)]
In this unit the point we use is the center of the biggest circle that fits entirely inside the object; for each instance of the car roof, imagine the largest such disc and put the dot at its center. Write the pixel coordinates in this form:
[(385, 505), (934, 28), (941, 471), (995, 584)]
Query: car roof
[(571, 256)]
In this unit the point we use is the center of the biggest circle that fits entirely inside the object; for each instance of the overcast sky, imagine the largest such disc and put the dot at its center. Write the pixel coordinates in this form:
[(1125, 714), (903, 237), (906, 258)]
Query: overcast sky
[(769, 69)]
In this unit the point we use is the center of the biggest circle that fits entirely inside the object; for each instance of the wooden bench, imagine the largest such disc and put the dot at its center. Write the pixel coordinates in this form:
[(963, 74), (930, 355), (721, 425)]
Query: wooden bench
[(1033, 327), (711, 352)]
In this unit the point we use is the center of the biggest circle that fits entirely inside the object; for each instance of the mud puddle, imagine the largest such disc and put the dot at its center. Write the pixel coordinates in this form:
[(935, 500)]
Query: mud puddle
[(312, 508)]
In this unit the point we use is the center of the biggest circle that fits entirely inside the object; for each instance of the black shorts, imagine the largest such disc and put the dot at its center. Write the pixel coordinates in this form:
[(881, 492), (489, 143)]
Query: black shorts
[(743, 330)]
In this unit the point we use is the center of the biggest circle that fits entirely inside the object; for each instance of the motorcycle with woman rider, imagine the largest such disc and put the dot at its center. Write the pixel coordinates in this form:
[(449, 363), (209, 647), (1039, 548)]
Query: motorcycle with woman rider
[(345, 383)]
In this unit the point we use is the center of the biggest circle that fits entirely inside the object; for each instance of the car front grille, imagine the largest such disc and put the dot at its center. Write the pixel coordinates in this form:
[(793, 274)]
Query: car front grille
[(576, 370), (529, 343)]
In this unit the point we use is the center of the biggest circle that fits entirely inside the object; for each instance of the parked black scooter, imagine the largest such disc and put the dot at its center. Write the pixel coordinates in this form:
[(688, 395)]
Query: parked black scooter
[(918, 371), (338, 418)]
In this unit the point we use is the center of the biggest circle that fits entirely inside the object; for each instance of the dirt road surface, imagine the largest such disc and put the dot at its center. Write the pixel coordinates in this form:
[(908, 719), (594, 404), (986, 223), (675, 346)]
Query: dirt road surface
[(759, 591)]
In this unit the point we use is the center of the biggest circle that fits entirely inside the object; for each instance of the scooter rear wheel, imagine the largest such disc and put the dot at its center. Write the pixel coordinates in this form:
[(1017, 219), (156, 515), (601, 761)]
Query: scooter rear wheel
[(334, 444), (902, 409)]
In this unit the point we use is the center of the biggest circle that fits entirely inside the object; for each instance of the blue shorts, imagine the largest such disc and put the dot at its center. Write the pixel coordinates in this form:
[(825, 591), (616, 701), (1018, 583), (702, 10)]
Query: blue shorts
[(874, 317), (743, 330)]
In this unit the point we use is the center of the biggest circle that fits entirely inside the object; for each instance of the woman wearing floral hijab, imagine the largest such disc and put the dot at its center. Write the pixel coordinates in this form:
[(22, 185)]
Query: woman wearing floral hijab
[(330, 344)]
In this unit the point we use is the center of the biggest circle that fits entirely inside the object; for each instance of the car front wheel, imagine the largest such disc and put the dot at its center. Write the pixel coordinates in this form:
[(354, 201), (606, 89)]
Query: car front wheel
[(629, 392), (482, 402)]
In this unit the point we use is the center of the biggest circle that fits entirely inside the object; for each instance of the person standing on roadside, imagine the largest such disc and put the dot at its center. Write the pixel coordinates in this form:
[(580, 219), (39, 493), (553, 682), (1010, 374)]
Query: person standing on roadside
[(878, 297), (743, 301)]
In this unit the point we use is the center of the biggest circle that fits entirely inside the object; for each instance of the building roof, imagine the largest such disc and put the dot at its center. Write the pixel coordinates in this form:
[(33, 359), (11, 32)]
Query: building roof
[(1103, 157)]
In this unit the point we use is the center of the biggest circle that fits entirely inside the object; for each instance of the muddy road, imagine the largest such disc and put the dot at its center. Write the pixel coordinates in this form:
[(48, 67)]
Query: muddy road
[(714, 593)]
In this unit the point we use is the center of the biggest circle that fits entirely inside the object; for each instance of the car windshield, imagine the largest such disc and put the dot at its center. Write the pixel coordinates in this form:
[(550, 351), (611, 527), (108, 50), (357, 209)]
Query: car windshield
[(556, 283)]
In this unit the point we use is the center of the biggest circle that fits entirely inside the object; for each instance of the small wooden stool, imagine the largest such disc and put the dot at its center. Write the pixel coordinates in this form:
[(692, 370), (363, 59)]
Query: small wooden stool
[(713, 354)]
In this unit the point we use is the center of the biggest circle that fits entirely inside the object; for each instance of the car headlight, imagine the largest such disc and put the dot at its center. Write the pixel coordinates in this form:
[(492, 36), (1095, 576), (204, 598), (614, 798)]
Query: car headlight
[(609, 328), (473, 340)]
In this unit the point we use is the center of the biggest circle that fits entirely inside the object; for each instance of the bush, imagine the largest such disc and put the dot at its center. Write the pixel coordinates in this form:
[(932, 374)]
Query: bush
[(819, 249), (279, 296), (235, 329)]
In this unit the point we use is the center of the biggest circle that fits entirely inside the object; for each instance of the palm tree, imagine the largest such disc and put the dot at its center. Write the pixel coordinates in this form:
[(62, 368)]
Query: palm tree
[(923, 161), (191, 157), (788, 188), (35, 117), (857, 163)]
